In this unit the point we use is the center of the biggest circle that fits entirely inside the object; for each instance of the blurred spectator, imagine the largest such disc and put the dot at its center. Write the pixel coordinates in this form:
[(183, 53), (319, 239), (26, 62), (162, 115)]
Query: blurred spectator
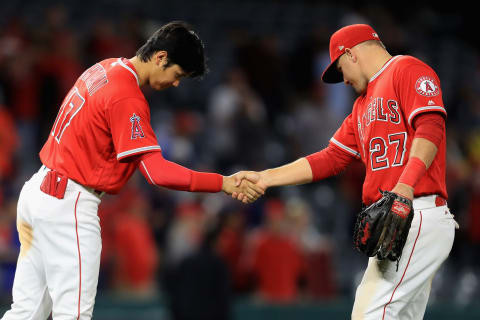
[(185, 234), (110, 39), (9, 244), (21, 96), (320, 278), (239, 114), (264, 65), (135, 252), (9, 143), (104, 42), (130, 256), (275, 259), (57, 67), (473, 213), (198, 286), (305, 117), (231, 246)]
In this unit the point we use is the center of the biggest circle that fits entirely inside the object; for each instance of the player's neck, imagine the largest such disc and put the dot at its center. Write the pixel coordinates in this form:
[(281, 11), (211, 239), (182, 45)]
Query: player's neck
[(377, 61), (141, 69)]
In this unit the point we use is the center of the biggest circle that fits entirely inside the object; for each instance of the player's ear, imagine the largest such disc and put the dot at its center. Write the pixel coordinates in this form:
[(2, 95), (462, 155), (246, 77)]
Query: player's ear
[(161, 58), (351, 55)]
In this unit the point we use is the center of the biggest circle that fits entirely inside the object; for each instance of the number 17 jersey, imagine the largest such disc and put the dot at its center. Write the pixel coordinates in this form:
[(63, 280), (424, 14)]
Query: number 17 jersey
[(102, 123), (379, 129)]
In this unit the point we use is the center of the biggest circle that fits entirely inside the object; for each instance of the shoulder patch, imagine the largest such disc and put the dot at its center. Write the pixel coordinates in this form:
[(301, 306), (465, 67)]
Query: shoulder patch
[(137, 131), (427, 87)]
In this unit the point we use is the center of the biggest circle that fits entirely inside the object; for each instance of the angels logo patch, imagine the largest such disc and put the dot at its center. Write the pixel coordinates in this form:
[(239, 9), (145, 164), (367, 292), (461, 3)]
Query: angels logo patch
[(427, 87), (137, 131)]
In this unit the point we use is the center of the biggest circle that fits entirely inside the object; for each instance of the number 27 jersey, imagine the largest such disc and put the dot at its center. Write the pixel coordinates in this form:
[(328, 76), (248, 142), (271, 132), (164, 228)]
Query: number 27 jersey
[(379, 129)]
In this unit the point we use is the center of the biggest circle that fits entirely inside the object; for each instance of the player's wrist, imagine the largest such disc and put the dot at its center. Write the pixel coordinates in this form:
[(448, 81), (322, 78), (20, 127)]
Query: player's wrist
[(266, 178), (414, 170), (404, 190)]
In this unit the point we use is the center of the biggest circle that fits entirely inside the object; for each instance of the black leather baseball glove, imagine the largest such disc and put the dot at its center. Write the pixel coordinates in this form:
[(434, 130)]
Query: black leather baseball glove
[(382, 228)]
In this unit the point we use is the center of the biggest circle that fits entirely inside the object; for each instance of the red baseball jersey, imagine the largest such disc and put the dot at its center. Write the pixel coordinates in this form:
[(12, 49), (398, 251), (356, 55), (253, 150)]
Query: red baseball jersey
[(379, 129), (103, 121)]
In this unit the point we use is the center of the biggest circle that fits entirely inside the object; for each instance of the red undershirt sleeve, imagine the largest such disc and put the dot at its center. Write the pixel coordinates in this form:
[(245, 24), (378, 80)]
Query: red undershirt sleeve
[(430, 126), (163, 173), (328, 162)]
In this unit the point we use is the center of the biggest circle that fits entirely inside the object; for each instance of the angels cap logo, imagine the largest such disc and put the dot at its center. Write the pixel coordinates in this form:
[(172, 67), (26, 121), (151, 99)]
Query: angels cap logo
[(427, 87), (137, 131)]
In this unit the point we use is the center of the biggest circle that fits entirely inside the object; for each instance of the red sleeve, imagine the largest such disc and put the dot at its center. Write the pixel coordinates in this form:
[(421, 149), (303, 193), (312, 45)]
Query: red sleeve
[(132, 134), (344, 137), (163, 173), (419, 90), (430, 126), (328, 162)]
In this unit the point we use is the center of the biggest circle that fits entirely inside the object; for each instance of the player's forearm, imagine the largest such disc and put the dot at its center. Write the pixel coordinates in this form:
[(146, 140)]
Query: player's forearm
[(421, 157), (424, 150), (294, 173), (429, 134), (163, 173)]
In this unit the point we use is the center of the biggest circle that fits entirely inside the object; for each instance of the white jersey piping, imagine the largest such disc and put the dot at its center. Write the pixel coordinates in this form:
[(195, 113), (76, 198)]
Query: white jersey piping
[(344, 147), (414, 112), (129, 69), (383, 68), (138, 150)]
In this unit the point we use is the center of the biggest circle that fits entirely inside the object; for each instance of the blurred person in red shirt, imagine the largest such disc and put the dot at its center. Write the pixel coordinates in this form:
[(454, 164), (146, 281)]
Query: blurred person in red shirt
[(231, 246), (276, 260), (135, 252), (316, 249), (9, 143)]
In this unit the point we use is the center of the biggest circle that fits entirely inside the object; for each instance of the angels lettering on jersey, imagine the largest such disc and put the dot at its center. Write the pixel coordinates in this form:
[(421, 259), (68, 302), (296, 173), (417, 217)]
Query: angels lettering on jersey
[(137, 131), (377, 110)]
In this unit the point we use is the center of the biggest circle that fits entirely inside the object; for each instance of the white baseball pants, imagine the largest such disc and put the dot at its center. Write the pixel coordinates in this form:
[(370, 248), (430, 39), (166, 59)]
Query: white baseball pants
[(385, 293), (59, 260)]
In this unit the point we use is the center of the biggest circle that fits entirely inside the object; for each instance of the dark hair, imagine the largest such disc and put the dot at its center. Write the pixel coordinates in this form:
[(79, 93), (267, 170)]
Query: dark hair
[(182, 44)]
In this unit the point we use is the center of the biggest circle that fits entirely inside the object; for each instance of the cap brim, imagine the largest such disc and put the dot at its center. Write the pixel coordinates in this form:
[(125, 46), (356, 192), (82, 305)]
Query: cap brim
[(331, 74)]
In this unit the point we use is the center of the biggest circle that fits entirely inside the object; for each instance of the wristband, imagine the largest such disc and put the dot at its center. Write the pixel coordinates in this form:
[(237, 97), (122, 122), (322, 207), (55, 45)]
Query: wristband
[(206, 182), (413, 171)]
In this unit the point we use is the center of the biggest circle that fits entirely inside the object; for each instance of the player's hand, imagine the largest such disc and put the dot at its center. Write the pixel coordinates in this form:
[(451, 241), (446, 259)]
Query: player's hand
[(251, 176), (236, 184)]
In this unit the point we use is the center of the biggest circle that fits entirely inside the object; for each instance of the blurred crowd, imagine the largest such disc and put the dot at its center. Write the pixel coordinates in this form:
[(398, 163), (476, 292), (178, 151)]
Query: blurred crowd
[(261, 105)]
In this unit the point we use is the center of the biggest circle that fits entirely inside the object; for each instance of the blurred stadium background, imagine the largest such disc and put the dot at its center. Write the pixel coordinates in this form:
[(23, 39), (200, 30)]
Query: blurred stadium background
[(198, 256)]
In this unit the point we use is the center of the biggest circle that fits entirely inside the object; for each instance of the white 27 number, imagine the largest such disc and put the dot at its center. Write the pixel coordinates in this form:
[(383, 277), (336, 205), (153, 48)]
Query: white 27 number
[(379, 150), (71, 105)]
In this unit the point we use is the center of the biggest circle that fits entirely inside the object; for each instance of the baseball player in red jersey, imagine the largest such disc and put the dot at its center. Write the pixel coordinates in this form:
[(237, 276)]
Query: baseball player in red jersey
[(397, 129), (101, 135)]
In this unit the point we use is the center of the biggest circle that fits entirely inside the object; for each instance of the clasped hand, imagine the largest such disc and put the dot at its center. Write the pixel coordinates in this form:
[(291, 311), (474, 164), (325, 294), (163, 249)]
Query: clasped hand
[(245, 186)]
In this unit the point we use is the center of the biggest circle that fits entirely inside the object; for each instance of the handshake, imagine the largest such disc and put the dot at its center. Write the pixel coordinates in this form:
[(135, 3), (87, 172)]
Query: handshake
[(245, 186)]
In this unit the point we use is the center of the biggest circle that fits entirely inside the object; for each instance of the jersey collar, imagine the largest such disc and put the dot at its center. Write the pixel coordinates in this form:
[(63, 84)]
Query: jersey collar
[(383, 68), (127, 65)]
